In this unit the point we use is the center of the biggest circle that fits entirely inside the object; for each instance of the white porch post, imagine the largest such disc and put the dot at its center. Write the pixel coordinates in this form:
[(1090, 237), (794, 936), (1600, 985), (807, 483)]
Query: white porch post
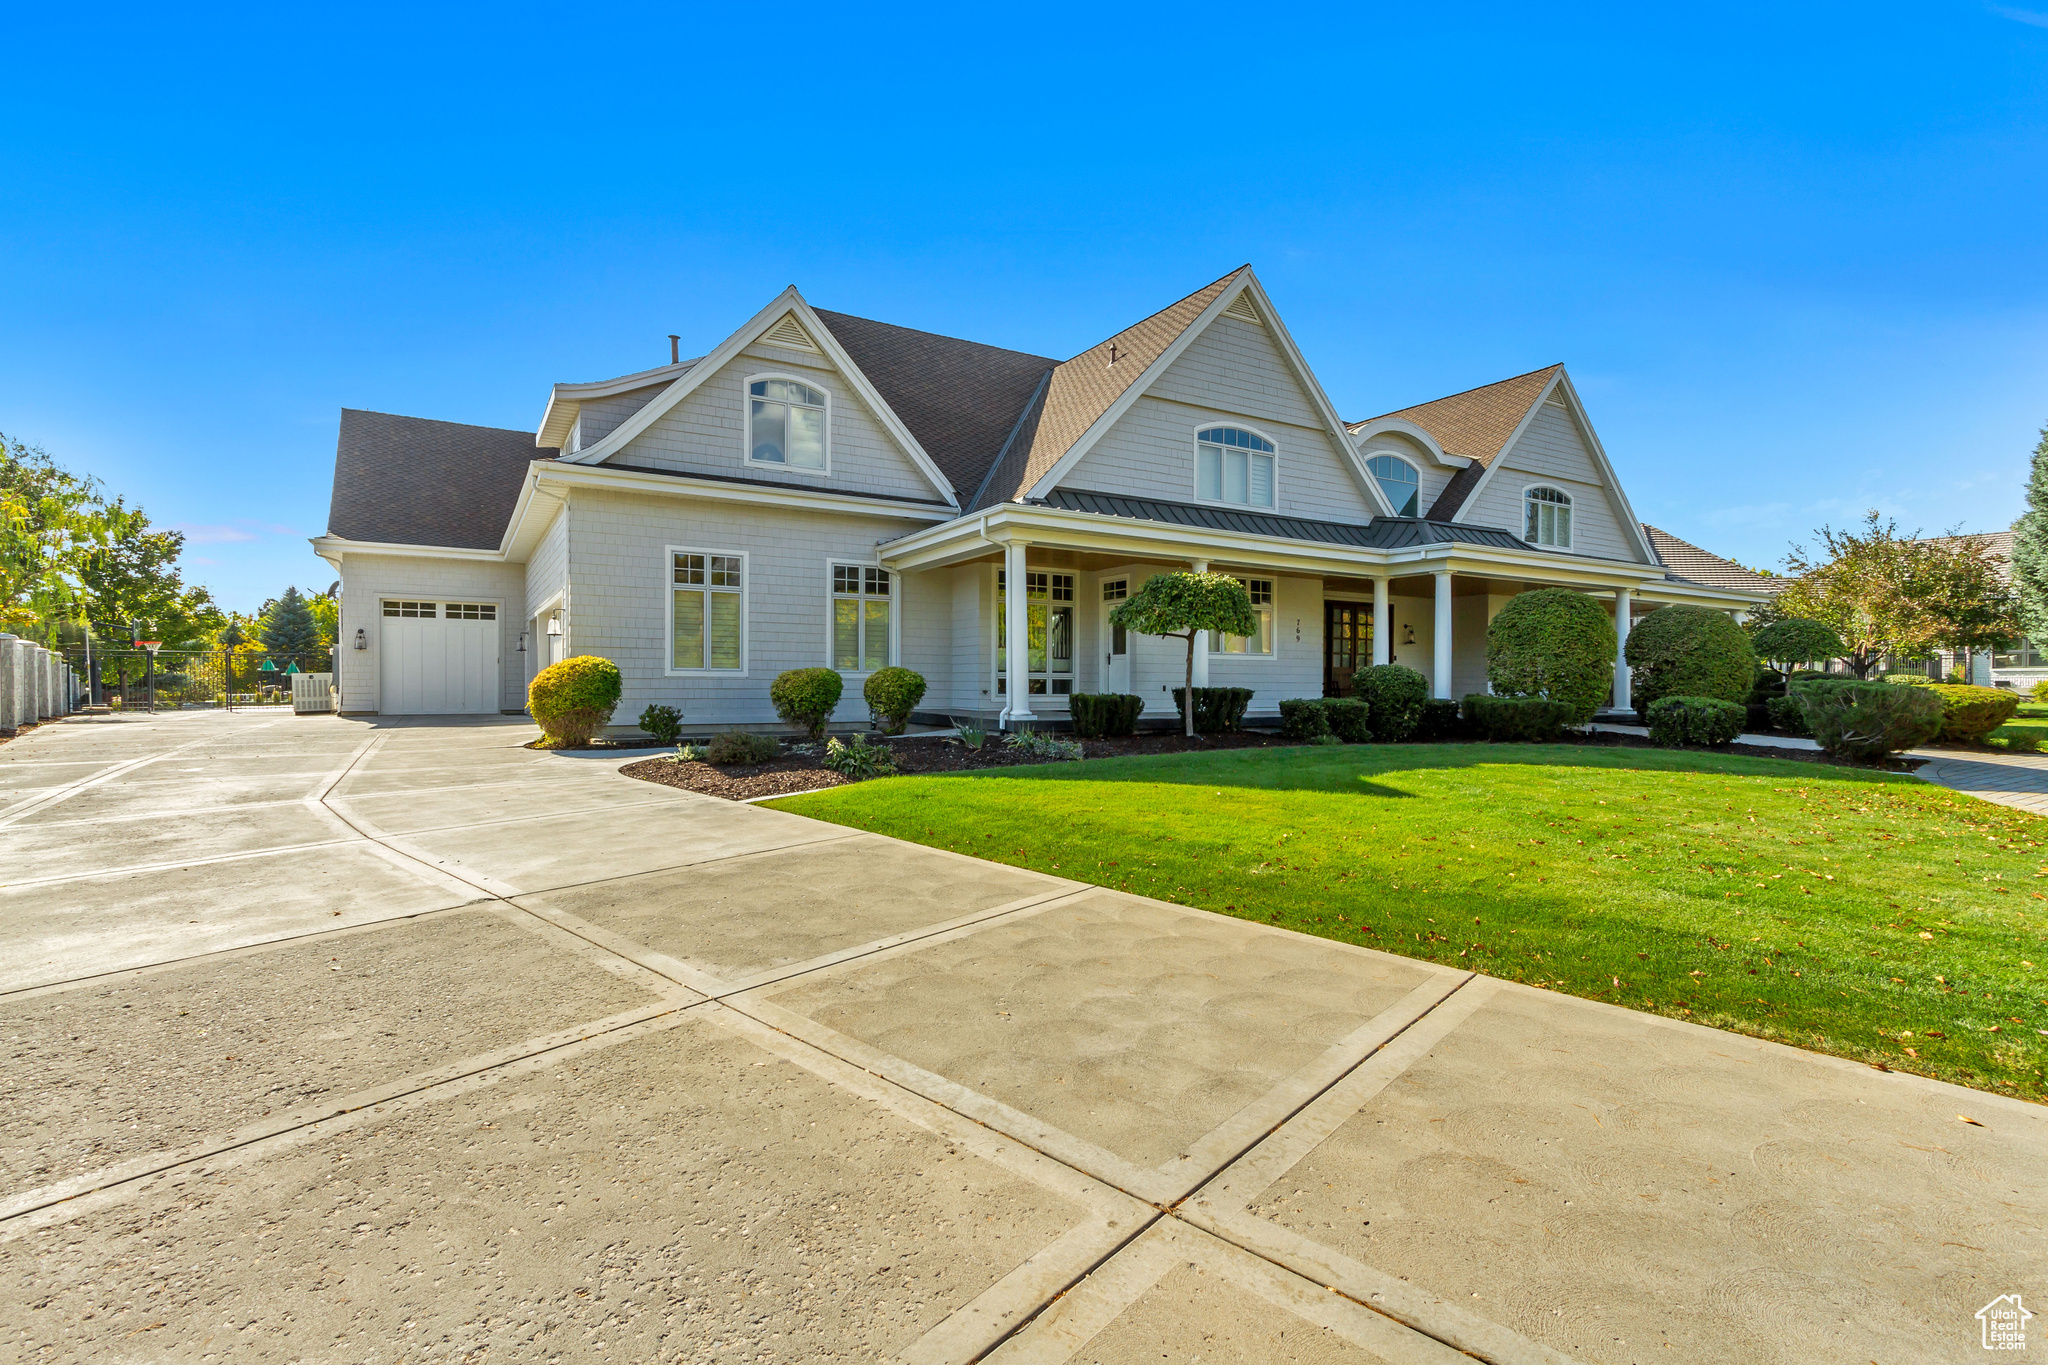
[(1441, 681), (1016, 637), (1382, 624), (1624, 602), (1201, 637)]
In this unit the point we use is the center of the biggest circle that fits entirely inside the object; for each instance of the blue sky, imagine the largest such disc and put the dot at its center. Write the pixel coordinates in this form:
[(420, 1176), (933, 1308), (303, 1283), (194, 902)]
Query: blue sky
[(1794, 257)]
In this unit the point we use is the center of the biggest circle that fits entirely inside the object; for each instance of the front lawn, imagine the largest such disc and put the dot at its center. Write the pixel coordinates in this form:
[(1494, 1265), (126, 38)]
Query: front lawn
[(1871, 916)]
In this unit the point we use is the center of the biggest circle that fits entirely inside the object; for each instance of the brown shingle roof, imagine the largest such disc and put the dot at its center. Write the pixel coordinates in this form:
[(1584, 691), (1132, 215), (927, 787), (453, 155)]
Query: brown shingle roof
[(1475, 424), (1691, 563), (415, 481), (1998, 544), (1085, 387)]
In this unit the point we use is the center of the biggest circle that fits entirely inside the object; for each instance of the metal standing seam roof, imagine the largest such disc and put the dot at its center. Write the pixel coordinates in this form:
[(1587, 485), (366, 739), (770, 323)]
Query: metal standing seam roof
[(1381, 533), (416, 481)]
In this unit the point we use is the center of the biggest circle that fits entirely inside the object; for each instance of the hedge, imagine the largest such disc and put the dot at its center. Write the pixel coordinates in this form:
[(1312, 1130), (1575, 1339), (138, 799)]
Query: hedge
[(1688, 651), (892, 694), (806, 696), (1695, 720), (1866, 720), (1532, 720), (1303, 718), (1553, 643), (1787, 715), (1217, 709), (1104, 715), (1970, 713), (1439, 720), (1394, 694), (574, 699), (1350, 719), (1908, 679)]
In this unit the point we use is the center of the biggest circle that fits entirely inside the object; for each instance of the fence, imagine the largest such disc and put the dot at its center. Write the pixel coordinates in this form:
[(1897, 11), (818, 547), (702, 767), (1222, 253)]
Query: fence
[(128, 679)]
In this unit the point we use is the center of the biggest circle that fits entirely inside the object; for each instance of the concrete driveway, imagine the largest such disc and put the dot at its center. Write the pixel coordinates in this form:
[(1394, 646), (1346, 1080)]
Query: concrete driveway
[(344, 1042)]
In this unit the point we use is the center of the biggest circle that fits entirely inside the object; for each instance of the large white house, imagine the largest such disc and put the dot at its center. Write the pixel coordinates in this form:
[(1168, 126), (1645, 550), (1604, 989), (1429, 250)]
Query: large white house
[(827, 490)]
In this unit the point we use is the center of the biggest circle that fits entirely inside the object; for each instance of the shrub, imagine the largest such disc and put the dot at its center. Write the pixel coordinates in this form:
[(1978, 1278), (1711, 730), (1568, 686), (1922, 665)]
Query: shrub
[(1350, 719), (665, 723), (1217, 709), (1395, 695), (892, 694), (2023, 742), (690, 753), (1787, 715), (1325, 738), (1439, 720), (1045, 744), (1533, 720), (1970, 713), (1688, 651), (742, 746), (806, 696), (573, 700), (1866, 720), (859, 759), (1552, 643), (972, 736), (1104, 715), (1769, 683), (1303, 718), (1695, 720), (1909, 679), (2040, 690)]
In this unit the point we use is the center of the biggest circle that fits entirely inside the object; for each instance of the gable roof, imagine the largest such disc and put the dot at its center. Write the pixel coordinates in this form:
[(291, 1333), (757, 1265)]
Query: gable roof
[(1476, 424), (1689, 562), (961, 399), (416, 481)]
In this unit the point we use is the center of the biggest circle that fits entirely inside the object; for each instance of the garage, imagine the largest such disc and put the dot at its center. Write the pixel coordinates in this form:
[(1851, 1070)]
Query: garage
[(440, 658)]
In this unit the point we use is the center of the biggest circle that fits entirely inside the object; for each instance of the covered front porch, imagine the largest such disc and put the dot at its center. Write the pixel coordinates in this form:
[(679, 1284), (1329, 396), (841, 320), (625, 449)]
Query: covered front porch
[(1325, 609)]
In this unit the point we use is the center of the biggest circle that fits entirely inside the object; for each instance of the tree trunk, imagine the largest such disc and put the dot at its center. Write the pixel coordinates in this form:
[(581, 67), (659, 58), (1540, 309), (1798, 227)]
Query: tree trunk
[(1188, 695)]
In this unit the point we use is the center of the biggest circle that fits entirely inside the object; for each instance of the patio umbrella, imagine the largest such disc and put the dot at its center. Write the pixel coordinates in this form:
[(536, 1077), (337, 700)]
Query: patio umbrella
[(292, 667), (268, 667)]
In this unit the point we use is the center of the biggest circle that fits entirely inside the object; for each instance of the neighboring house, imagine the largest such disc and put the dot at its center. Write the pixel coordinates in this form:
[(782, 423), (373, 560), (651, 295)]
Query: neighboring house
[(2020, 667), (827, 490)]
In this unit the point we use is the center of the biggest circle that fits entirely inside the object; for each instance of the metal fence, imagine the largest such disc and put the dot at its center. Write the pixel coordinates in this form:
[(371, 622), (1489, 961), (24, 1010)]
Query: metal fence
[(126, 678)]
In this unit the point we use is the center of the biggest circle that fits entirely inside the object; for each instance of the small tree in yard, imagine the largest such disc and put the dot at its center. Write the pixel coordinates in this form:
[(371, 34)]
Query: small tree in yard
[(1970, 605), (1182, 604), (1794, 640)]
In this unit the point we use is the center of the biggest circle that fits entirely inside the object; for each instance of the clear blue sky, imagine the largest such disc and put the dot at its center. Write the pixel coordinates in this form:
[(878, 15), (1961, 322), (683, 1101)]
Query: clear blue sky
[(1795, 257)]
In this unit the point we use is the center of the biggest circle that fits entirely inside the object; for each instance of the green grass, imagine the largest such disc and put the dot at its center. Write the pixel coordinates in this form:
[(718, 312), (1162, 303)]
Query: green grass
[(2030, 720), (1830, 908)]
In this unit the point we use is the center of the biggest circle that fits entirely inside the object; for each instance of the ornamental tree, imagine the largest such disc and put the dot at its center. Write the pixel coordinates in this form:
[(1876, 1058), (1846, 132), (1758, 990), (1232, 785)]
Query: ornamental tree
[(1795, 640), (1866, 588), (1181, 605)]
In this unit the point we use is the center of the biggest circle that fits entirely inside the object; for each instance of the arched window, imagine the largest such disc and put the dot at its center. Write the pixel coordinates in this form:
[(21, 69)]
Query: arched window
[(1548, 517), (1399, 481), (1233, 465), (785, 424)]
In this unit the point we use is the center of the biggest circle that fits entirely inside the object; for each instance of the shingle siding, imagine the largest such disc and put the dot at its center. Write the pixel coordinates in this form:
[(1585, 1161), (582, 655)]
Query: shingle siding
[(1550, 450), (600, 417), (547, 569), (1433, 476)]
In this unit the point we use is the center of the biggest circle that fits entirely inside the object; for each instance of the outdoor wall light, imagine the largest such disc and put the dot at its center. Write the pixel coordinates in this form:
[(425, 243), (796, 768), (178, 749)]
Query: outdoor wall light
[(1409, 639), (554, 625), (362, 638), (522, 642)]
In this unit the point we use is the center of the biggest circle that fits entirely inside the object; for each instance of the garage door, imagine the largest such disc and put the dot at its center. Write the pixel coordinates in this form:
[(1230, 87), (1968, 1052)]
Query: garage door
[(440, 658)]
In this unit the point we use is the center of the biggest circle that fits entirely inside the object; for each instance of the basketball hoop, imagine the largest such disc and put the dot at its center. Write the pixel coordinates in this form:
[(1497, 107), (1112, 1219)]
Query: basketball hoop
[(151, 645)]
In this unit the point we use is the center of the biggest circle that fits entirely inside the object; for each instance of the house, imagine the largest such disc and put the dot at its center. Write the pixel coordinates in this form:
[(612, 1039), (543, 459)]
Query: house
[(821, 489)]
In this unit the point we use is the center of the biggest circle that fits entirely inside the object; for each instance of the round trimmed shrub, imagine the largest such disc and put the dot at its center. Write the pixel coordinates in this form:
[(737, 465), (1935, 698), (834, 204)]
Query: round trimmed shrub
[(1552, 643), (806, 697), (1688, 651), (1970, 713), (1394, 694), (892, 694), (1695, 720), (574, 699), (1796, 640)]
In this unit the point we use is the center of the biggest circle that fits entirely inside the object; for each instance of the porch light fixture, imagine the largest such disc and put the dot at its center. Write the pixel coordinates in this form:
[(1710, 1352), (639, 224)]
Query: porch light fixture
[(554, 625), (362, 638), (522, 642), (1409, 639)]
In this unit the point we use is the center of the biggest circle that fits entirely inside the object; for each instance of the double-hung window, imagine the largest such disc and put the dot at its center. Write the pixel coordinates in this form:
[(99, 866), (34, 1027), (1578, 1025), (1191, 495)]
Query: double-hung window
[(1233, 465), (1049, 620), (860, 618), (785, 424), (1259, 641), (708, 609), (1547, 517)]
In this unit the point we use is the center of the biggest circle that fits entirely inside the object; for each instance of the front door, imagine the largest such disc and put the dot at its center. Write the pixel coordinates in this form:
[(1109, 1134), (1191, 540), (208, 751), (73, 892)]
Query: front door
[(1347, 645), (1116, 644)]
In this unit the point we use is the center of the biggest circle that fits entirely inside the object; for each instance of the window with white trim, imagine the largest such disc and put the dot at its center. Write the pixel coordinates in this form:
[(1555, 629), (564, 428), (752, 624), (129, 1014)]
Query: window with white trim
[(2022, 655), (1260, 641), (707, 612), (1233, 465), (1049, 623), (786, 424), (1399, 481), (1547, 517), (471, 611), (429, 610), (860, 618)]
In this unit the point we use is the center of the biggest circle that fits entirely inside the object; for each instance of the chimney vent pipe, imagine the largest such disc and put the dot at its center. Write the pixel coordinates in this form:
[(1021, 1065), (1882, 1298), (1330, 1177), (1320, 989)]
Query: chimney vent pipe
[(675, 351)]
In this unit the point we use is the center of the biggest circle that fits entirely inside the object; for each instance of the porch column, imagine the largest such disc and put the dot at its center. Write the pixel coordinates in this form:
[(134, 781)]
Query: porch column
[(1440, 683), (1201, 637), (1382, 624), (1016, 637), (1624, 603)]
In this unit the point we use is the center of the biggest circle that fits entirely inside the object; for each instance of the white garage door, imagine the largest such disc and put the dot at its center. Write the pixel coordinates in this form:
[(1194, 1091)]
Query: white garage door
[(440, 658)]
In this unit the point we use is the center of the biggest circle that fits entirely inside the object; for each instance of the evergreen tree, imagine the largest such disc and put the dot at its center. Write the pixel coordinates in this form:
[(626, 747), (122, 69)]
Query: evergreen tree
[(288, 626), (2030, 548)]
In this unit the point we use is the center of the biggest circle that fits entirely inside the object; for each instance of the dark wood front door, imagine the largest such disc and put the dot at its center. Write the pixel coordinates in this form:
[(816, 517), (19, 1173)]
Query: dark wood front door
[(1347, 644)]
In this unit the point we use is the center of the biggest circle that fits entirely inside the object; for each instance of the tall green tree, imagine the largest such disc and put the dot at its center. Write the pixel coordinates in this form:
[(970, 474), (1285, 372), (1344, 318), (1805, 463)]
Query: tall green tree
[(2030, 548), (1863, 583), (1970, 602), (287, 625), (51, 521)]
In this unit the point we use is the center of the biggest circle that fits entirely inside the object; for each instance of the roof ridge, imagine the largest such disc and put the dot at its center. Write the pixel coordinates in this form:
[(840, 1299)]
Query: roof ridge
[(1224, 278), (939, 336), (1540, 369), (407, 417)]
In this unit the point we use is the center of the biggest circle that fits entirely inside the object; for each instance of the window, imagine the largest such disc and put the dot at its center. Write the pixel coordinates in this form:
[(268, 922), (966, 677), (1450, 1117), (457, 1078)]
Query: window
[(2022, 655), (1117, 590), (1261, 640), (708, 608), (1549, 518), (422, 609), (785, 424), (472, 611), (860, 618), (1232, 465), (1399, 481), (1049, 618)]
